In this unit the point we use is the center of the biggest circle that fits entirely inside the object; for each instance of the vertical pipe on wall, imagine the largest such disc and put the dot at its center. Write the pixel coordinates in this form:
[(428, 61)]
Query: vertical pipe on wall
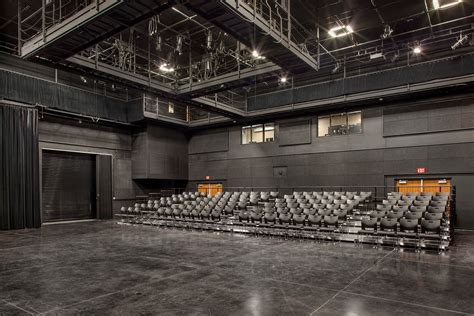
[(149, 57), (43, 19), (19, 27), (289, 23), (190, 68), (238, 58), (96, 56)]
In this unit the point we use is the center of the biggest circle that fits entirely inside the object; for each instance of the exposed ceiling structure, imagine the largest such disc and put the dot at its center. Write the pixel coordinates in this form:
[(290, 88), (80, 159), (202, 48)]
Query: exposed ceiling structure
[(214, 55)]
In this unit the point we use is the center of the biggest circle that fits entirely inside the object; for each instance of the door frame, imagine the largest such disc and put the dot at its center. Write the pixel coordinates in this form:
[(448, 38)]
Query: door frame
[(210, 183), (395, 177), (93, 153)]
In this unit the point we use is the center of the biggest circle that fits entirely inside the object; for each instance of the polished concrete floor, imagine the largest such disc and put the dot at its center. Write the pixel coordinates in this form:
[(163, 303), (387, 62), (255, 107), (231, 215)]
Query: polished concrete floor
[(103, 268)]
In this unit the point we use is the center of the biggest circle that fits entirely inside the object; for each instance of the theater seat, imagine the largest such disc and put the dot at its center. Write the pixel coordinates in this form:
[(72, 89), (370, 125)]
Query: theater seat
[(284, 218), (384, 207), (340, 213), (314, 220), (400, 208), (408, 225), (421, 203), (436, 209), (388, 224), (270, 217), (395, 214), (256, 217), (298, 219), (310, 211), (433, 216), (413, 215), (439, 203), (324, 212), (414, 208), (430, 226), (331, 221), (378, 214), (243, 216), (369, 223), (440, 198)]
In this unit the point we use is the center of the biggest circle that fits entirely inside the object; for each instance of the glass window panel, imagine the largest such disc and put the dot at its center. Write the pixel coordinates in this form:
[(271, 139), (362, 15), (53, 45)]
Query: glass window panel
[(170, 107), (323, 126), (246, 135), (338, 124), (355, 122), (269, 132), (257, 133)]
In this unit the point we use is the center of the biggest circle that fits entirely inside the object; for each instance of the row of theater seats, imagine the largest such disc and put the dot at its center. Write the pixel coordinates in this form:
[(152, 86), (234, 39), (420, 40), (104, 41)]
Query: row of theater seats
[(349, 215), (228, 203), (409, 213), (328, 209)]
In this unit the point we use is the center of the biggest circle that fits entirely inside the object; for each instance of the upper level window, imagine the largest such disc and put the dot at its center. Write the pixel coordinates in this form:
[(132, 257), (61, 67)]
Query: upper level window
[(259, 133), (340, 124)]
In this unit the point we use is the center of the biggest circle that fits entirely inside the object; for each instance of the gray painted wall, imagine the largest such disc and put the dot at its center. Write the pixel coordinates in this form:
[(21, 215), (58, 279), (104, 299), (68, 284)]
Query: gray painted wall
[(68, 136), (153, 156), (365, 159), (428, 117), (160, 153)]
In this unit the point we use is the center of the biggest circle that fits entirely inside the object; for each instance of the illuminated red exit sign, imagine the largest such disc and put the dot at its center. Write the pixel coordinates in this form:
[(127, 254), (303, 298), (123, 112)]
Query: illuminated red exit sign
[(420, 170)]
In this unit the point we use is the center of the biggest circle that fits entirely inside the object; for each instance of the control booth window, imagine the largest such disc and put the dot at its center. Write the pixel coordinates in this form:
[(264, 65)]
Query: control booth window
[(340, 124), (259, 133)]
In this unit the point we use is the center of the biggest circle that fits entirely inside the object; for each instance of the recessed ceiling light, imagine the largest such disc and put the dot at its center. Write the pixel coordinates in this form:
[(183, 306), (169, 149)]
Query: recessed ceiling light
[(340, 30), (441, 4), (166, 68)]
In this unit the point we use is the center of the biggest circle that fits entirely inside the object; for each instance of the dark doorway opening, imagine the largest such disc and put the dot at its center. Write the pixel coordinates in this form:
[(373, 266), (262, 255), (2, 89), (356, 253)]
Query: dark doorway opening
[(68, 186)]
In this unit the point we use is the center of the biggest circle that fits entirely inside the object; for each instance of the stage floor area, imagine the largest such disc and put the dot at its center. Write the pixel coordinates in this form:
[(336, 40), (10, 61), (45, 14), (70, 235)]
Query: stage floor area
[(104, 268)]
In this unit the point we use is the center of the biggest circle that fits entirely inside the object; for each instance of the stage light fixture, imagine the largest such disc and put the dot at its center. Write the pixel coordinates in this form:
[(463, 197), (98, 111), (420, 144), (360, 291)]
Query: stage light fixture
[(256, 55), (340, 30), (166, 67), (460, 42), (442, 4)]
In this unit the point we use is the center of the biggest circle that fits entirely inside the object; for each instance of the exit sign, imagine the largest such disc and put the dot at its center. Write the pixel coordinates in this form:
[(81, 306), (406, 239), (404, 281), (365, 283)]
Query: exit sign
[(420, 170)]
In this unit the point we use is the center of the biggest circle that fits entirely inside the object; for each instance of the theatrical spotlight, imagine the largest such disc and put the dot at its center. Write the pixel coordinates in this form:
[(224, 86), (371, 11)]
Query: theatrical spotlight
[(442, 4), (387, 31), (460, 42)]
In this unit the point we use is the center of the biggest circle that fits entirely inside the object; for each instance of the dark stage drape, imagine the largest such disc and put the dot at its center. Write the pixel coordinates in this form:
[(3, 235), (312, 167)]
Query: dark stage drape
[(104, 187), (19, 167)]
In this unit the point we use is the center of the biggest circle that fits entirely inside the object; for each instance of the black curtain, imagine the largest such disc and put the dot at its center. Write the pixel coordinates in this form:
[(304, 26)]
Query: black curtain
[(104, 187), (19, 167)]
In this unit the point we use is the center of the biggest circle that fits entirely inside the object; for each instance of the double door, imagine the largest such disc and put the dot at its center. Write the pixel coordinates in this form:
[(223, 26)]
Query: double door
[(423, 185), (210, 188)]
